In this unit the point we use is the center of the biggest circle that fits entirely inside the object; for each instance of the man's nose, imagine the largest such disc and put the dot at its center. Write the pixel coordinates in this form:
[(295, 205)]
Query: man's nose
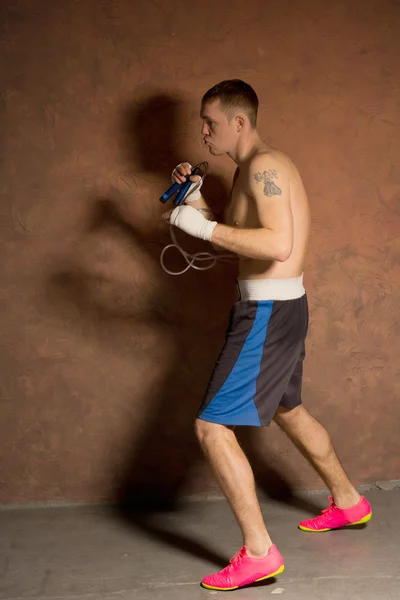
[(204, 129)]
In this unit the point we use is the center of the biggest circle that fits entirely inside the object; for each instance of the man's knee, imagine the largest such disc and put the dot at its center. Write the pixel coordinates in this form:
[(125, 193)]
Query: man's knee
[(205, 430)]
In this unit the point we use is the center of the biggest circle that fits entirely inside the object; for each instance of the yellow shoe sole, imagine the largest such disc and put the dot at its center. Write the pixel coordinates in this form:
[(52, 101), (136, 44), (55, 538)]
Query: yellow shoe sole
[(236, 587), (361, 522)]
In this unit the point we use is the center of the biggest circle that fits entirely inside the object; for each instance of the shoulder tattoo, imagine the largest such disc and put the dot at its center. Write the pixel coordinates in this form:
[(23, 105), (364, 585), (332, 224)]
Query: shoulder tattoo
[(270, 187)]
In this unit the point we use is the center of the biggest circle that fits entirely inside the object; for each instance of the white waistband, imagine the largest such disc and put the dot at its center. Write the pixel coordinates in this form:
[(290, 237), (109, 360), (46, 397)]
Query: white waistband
[(271, 289)]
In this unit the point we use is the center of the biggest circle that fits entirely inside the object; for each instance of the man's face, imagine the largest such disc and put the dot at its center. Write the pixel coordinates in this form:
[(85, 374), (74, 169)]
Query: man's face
[(218, 133)]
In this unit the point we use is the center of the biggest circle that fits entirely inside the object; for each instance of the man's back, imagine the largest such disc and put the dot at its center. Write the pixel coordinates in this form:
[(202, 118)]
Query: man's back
[(269, 167)]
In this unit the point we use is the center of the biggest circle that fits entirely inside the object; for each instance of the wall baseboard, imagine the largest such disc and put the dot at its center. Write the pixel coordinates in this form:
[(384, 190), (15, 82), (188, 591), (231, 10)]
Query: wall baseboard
[(385, 486)]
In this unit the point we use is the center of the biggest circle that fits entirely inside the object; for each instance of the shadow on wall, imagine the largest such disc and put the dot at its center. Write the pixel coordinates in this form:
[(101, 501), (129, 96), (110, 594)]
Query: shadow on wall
[(157, 470), (149, 130), (154, 139), (112, 309)]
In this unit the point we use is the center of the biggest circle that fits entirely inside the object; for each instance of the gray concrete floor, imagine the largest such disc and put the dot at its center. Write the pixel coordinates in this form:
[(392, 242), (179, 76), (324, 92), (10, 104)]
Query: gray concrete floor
[(87, 552)]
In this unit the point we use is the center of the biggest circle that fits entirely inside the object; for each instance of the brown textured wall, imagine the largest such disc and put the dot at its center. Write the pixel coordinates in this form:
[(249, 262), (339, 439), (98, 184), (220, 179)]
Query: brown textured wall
[(104, 358)]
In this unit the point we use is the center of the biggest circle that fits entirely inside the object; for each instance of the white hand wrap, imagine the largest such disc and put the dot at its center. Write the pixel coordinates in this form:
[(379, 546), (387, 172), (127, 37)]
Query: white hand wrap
[(192, 222), (193, 195)]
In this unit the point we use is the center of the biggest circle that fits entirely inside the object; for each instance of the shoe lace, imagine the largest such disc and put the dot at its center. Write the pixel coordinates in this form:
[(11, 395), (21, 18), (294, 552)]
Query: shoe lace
[(332, 508), (235, 559)]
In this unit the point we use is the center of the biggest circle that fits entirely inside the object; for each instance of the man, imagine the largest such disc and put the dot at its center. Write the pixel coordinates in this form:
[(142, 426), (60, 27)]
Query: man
[(258, 374)]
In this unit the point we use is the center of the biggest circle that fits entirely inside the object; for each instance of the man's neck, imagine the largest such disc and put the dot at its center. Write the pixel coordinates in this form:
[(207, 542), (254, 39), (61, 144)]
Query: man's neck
[(247, 148)]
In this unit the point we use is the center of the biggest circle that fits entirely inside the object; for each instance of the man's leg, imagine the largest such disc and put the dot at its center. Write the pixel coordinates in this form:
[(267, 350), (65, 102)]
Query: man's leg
[(234, 474), (313, 441)]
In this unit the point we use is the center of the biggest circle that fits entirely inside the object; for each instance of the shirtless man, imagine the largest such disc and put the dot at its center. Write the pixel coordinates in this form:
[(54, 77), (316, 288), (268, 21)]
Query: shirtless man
[(258, 374)]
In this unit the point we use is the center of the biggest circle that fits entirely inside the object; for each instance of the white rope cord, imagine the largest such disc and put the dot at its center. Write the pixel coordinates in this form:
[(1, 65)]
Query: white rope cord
[(198, 257), (192, 259)]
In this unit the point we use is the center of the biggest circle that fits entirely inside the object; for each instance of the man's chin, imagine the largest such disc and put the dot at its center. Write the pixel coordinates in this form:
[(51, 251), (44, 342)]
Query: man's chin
[(214, 151)]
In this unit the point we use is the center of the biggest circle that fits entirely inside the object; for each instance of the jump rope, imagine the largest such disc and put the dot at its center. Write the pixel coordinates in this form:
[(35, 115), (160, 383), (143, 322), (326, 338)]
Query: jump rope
[(183, 191)]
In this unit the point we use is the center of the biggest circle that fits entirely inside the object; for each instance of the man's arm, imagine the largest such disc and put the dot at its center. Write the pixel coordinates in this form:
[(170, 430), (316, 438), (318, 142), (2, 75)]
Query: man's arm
[(201, 204), (270, 188)]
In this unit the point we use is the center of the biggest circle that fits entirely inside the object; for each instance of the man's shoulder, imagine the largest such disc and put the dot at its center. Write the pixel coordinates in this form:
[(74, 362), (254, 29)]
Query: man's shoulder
[(270, 158), (271, 168)]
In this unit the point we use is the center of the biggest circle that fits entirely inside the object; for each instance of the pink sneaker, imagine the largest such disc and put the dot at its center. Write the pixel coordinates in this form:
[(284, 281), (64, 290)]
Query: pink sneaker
[(335, 517), (244, 570)]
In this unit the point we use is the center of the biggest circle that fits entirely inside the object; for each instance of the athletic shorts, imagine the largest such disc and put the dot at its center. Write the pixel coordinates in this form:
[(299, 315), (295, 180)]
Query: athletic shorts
[(261, 364)]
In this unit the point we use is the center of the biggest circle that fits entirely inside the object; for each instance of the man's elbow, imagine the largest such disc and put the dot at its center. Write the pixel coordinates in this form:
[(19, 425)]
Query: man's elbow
[(284, 249), (280, 245)]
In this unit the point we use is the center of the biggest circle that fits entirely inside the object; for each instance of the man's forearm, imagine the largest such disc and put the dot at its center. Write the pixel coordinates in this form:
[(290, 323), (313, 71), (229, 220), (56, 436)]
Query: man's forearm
[(262, 244), (202, 205), (207, 212)]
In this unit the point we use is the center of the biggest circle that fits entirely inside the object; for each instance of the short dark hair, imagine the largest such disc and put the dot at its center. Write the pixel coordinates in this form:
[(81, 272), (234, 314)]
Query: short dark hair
[(234, 94)]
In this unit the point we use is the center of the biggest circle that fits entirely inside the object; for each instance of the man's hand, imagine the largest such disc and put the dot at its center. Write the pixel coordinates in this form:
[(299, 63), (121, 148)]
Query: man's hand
[(191, 221), (179, 175)]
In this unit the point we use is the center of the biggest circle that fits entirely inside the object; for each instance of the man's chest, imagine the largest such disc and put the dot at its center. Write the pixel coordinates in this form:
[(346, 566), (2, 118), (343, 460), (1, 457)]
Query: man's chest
[(240, 211)]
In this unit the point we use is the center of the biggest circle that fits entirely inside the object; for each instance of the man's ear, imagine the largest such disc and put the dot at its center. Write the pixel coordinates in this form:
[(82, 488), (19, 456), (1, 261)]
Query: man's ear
[(239, 122)]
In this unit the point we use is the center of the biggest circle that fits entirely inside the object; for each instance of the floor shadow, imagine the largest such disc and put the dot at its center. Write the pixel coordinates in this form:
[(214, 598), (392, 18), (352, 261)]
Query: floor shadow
[(359, 527), (258, 584), (149, 522)]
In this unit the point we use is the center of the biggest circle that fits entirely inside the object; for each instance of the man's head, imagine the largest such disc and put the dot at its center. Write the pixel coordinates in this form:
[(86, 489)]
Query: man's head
[(229, 111)]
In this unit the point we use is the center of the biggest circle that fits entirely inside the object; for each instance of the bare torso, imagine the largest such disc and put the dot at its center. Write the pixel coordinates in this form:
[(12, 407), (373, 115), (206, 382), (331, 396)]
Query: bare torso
[(241, 212)]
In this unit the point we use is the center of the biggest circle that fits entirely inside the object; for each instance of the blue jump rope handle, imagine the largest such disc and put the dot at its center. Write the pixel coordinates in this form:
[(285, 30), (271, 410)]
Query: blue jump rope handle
[(182, 187), (182, 193), (170, 192)]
